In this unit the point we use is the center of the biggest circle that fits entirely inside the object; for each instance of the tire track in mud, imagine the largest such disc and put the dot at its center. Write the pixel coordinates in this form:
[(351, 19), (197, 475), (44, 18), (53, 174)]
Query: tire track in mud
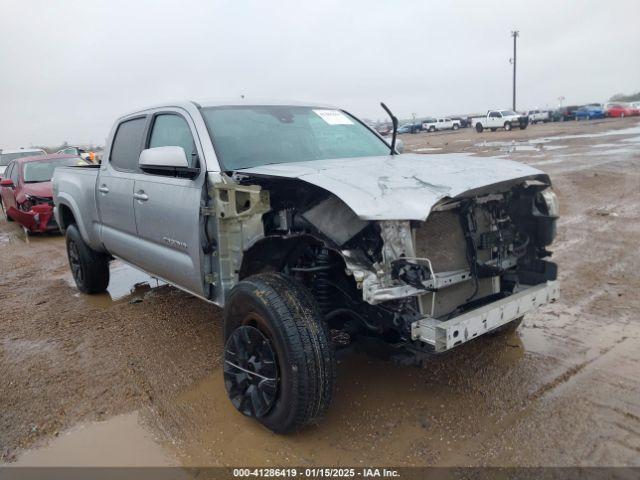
[(463, 455)]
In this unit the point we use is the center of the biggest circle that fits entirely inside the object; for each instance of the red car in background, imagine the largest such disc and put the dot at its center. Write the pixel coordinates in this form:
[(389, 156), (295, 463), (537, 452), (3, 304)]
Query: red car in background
[(619, 110), (26, 191)]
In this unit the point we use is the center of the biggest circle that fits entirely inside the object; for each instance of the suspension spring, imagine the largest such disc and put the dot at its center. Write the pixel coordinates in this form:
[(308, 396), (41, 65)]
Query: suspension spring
[(321, 285)]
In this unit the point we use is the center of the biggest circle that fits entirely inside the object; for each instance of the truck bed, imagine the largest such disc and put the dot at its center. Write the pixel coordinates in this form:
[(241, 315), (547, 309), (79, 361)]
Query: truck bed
[(75, 188)]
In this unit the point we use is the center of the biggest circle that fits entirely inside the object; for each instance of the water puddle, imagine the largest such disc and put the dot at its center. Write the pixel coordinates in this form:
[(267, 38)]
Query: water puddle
[(547, 162), (623, 131), (125, 281), (428, 149), (120, 441), (16, 236), (527, 145), (605, 145)]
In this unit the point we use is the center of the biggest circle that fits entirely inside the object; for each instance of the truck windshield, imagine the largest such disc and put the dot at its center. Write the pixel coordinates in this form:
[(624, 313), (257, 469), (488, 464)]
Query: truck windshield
[(34, 172), (5, 158), (250, 136)]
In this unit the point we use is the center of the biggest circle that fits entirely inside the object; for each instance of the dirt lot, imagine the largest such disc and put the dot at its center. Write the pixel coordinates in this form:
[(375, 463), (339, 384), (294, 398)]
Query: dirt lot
[(134, 377)]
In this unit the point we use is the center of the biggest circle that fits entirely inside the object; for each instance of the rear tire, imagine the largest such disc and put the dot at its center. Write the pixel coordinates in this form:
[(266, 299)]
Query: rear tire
[(432, 129), (90, 269), (455, 126), (479, 127), (507, 126), (291, 325)]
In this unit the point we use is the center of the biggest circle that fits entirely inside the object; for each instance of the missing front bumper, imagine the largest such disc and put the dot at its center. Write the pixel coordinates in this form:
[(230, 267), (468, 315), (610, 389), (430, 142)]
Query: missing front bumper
[(456, 331), (37, 220)]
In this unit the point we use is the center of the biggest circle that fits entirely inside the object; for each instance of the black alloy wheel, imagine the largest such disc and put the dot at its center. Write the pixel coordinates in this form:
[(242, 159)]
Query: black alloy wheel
[(250, 371), (74, 261)]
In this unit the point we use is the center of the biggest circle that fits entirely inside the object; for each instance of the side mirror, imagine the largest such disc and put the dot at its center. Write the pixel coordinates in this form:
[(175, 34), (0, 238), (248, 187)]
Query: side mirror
[(399, 145), (169, 160), (163, 157), (6, 182)]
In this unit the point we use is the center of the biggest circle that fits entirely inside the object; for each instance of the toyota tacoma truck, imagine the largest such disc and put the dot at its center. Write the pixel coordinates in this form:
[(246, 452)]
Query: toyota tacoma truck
[(495, 119), (315, 235)]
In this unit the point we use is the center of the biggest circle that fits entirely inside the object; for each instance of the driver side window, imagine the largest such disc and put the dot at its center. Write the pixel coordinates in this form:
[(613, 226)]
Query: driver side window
[(171, 130)]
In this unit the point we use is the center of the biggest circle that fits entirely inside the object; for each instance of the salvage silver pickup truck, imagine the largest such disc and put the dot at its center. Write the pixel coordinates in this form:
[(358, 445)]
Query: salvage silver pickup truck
[(315, 234)]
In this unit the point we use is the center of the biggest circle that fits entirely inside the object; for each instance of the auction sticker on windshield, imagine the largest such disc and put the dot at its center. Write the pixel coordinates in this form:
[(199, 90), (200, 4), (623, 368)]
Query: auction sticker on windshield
[(333, 117)]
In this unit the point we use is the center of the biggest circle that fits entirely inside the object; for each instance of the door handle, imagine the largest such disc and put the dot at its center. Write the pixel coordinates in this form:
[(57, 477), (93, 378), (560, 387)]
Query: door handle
[(143, 197), (103, 188)]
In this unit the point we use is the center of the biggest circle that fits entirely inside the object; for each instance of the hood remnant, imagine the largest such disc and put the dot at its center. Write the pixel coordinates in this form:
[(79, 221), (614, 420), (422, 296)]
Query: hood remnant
[(403, 187)]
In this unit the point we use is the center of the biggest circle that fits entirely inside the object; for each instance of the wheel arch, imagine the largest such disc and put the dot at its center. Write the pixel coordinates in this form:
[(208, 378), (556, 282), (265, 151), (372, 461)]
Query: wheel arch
[(65, 216), (271, 253), (67, 213)]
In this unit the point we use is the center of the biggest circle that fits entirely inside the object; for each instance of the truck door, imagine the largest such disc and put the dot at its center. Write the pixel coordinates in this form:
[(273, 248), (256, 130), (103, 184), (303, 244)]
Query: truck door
[(167, 207), (114, 189), (8, 193), (495, 119)]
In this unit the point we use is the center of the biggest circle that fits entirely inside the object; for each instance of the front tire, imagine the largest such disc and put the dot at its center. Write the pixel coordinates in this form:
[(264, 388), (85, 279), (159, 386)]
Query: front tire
[(280, 314), (90, 269)]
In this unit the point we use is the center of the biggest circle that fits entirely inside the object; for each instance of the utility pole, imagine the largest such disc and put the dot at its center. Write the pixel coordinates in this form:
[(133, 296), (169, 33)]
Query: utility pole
[(515, 34)]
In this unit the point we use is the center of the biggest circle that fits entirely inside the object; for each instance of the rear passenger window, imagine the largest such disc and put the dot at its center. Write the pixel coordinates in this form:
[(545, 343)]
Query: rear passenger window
[(127, 145), (171, 130)]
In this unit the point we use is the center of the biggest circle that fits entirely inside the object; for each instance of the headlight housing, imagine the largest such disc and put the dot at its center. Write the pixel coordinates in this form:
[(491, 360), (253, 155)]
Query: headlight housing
[(550, 199)]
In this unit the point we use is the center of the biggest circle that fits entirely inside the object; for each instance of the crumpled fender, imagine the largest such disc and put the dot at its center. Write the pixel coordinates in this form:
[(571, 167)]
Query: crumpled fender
[(35, 220)]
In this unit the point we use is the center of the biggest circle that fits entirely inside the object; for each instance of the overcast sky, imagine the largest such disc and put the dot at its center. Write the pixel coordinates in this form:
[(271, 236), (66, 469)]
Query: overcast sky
[(69, 68)]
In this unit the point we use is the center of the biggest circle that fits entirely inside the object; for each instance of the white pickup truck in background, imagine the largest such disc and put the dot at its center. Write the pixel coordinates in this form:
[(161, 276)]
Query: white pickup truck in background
[(495, 119), (441, 124), (536, 116)]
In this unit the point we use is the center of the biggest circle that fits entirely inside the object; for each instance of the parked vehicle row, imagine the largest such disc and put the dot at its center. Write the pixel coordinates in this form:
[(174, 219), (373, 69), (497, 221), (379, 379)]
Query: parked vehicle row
[(518, 120)]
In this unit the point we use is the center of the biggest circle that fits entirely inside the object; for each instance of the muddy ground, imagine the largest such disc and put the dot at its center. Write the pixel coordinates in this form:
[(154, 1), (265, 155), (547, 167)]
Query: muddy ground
[(133, 376)]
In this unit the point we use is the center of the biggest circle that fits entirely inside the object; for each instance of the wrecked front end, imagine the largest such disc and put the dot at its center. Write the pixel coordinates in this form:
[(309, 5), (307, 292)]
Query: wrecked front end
[(35, 214), (475, 264), (404, 288)]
